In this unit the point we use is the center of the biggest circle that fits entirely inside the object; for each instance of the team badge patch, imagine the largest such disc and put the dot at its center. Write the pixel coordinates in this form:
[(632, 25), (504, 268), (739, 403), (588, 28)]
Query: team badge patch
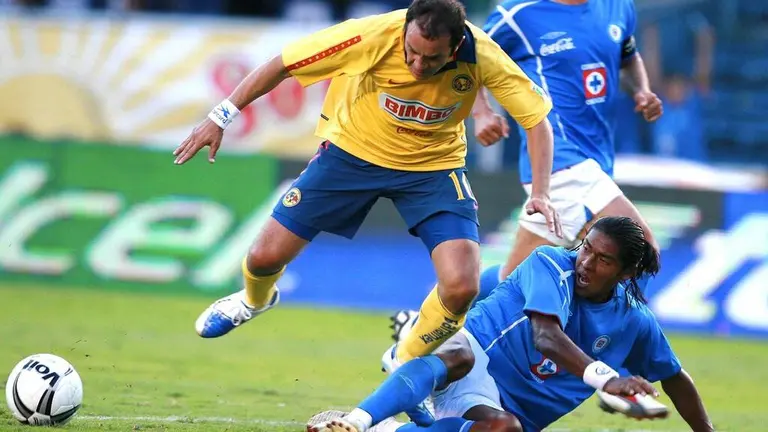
[(595, 78), (546, 369), (292, 197), (600, 343), (615, 32), (462, 83)]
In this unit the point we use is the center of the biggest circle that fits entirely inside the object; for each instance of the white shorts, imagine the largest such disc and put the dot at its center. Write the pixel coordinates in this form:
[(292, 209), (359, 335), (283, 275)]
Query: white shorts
[(572, 191), (477, 388)]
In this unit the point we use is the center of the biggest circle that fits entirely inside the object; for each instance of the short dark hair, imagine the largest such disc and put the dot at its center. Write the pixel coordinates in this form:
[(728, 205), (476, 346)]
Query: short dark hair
[(635, 252), (437, 18)]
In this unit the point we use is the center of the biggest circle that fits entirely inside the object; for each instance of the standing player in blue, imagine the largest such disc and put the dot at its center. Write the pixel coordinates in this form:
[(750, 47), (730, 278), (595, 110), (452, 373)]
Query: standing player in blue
[(582, 53), (540, 344)]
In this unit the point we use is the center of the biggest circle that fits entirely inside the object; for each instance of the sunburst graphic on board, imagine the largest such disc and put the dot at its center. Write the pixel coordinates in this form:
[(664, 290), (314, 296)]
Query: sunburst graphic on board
[(144, 81)]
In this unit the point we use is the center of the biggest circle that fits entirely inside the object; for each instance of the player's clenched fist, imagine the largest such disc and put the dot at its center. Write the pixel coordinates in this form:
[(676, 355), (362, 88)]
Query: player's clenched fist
[(208, 134), (490, 128), (649, 105)]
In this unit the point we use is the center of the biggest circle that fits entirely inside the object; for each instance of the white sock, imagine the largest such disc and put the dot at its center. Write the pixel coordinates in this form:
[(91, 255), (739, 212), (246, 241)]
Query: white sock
[(360, 418)]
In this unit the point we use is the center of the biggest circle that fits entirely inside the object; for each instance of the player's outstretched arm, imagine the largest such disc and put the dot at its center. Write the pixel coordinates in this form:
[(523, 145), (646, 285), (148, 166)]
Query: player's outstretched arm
[(681, 389), (210, 132), (541, 153), (550, 340), (528, 104)]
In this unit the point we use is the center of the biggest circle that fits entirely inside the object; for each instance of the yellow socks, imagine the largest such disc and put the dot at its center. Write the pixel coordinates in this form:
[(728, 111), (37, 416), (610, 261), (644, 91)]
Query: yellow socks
[(435, 325), (259, 289)]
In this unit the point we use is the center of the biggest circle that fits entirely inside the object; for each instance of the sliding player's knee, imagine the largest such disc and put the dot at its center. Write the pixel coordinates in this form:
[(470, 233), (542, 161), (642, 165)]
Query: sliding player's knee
[(457, 356)]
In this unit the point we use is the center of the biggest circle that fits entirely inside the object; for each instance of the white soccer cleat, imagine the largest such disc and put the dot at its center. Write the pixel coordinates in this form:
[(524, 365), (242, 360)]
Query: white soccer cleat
[(389, 362), (229, 312), (337, 421), (637, 406)]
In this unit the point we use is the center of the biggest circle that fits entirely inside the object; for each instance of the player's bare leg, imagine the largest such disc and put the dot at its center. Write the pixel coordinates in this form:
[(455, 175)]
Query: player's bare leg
[(273, 249), (457, 264), (622, 206), (525, 243)]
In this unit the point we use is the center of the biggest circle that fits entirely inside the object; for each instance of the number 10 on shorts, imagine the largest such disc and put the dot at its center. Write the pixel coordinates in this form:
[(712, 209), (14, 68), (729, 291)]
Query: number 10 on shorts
[(458, 185)]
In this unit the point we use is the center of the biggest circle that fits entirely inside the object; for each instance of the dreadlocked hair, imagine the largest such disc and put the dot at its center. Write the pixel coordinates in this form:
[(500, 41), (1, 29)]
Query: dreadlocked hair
[(635, 252)]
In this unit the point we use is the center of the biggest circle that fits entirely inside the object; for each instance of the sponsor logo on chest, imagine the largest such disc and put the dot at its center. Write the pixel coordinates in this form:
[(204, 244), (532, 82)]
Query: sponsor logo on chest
[(415, 111), (564, 44)]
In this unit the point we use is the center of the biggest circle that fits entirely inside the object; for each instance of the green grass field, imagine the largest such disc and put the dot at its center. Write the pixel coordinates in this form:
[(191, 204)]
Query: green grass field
[(144, 368)]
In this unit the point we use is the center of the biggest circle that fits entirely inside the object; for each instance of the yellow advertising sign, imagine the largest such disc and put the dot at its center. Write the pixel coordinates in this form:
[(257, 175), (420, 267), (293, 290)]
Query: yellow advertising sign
[(148, 81)]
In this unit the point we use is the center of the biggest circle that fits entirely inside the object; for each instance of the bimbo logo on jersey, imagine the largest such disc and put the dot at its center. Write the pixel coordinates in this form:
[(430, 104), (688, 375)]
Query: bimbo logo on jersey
[(415, 111), (595, 78)]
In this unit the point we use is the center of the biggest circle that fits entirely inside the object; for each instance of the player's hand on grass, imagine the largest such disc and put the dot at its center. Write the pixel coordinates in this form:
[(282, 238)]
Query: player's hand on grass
[(207, 134), (542, 204), (490, 128), (649, 104), (630, 386)]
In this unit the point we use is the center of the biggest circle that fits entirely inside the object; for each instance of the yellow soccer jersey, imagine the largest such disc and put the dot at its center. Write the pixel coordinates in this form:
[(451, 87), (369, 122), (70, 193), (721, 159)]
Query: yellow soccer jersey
[(376, 110)]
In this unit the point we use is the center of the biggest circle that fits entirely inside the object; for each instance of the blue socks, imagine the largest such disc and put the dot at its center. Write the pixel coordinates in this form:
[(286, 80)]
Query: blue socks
[(407, 387), (450, 424)]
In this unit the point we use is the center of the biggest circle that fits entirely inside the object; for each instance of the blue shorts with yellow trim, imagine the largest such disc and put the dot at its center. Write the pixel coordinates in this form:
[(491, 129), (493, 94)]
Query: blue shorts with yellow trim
[(337, 190)]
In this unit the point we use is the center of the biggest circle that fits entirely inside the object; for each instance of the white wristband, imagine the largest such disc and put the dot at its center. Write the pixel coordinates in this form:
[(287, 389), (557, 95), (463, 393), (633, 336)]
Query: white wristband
[(597, 374), (223, 113)]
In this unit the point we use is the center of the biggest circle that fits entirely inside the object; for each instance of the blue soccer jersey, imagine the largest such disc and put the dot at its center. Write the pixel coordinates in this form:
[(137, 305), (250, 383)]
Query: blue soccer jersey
[(574, 52), (621, 333)]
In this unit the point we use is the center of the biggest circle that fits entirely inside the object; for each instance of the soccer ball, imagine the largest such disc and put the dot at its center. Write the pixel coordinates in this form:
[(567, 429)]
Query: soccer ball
[(402, 323), (44, 390)]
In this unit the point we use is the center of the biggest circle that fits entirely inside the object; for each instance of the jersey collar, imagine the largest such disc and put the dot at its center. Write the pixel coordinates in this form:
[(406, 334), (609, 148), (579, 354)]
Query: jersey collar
[(465, 53)]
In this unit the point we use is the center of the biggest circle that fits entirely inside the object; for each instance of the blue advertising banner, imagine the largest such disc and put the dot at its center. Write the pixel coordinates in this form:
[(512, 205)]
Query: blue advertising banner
[(713, 281)]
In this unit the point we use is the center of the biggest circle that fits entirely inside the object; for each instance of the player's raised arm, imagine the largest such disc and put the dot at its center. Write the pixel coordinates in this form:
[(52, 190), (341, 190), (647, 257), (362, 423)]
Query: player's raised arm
[(210, 132), (350, 47)]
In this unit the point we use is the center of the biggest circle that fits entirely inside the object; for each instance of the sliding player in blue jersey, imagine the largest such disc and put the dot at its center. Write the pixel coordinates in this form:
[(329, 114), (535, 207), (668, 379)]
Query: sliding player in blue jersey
[(540, 344)]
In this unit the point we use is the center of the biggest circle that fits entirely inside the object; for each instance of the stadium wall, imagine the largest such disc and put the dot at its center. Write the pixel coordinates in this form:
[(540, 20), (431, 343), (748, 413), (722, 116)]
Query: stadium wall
[(124, 217)]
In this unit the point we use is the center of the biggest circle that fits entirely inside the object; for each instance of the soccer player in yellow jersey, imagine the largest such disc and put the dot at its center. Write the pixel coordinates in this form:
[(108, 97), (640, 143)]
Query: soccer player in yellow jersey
[(402, 84)]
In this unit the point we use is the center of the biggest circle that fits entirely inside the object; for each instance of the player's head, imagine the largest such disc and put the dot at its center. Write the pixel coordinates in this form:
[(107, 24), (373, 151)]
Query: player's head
[(433, 31), (614, 250)]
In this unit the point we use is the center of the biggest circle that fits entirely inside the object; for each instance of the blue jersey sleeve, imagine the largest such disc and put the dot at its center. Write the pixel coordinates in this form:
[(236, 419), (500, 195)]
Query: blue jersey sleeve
[(651, 355), (497, 27), (629, 46), (544, 285)]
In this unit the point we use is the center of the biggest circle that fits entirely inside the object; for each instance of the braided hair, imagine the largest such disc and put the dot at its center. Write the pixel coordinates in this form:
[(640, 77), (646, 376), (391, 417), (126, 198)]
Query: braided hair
[(635, 252)]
